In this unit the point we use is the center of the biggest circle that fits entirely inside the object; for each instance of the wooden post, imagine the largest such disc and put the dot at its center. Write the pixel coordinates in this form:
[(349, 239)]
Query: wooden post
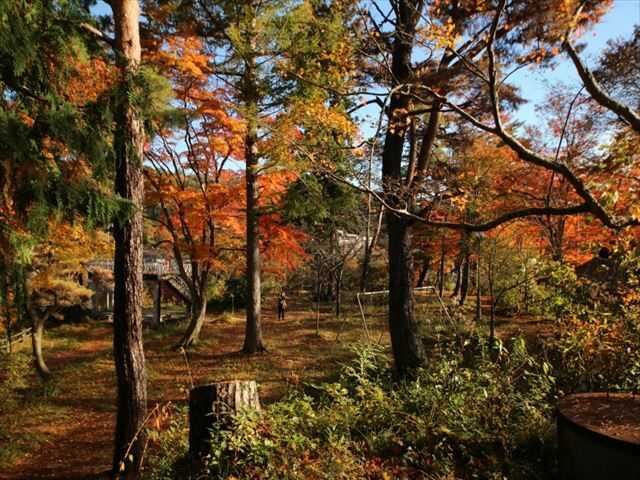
[(216, 403), (478, 292), (157, 301)]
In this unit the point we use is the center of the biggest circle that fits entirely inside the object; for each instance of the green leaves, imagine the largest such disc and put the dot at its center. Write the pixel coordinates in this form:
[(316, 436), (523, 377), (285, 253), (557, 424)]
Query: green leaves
[(489, 416)]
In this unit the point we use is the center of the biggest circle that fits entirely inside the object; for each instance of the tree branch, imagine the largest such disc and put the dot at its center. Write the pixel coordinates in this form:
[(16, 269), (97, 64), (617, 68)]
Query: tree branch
[(98, 34), (599, 95)]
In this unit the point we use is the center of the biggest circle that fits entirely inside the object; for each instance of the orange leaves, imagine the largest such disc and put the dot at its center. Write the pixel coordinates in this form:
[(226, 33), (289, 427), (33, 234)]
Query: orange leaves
[(273, 185), (209, 221), (92, 79), (203, 220), (223, 131), (281, 244), (180, 56)]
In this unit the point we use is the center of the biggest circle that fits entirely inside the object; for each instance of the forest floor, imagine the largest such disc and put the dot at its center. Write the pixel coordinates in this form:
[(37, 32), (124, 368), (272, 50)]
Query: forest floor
[(64, 429)]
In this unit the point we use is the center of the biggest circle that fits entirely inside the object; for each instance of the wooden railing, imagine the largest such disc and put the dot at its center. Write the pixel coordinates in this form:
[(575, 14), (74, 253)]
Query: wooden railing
[(155, 267), (5, 343)]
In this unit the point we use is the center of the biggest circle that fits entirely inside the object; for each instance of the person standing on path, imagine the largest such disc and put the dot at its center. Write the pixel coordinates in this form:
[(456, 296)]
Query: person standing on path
[(282, 305)]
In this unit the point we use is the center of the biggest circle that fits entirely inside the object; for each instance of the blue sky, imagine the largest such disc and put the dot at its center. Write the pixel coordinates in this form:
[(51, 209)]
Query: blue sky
[(535, 82)]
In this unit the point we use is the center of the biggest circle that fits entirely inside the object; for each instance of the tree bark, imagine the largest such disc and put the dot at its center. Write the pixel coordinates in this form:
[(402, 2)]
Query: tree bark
[(441, 269), (212, 404), (478, 292), (492, 323), (5, 303), (128, 349), (492, 295), (408, 351), (526, 289), (423, 273), (198, 314), (464, 280), (339, 276), (317, 294), (253, 342), (37, 331), (458, 269), (157, 303)]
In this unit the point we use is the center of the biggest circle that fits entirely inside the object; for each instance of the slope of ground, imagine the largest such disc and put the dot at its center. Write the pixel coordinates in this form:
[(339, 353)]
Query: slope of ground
[(63, 430)]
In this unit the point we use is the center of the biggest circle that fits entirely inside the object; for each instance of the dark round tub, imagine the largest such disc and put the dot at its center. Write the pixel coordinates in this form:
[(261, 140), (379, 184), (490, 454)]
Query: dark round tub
[(599, 436)]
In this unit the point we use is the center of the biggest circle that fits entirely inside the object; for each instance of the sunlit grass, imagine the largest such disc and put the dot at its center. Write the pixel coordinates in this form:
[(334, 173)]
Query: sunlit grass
[(83, 386)]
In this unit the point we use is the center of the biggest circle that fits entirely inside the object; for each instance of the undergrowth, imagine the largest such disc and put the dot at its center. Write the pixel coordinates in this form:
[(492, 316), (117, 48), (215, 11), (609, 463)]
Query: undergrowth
[(16, 395), (481, 413)]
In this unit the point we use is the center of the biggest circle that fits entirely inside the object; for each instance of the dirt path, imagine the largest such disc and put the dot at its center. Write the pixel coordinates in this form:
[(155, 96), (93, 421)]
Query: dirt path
[(65, 431)]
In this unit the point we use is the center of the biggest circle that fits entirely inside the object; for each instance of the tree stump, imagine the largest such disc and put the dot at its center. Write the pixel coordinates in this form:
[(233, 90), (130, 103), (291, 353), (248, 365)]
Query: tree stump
[(599, 436), (216, 403)]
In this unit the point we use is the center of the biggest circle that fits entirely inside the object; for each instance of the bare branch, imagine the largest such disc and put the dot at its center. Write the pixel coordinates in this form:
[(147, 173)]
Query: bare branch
[(474, 227), (623, 111), (98, 34)]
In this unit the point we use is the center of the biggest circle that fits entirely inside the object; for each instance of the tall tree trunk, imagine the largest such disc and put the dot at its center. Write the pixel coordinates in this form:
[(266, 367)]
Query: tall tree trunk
[(317, 294), (37, 331), (441, 269), (458, 269), (368, 251), (464, 280), (339, 276), (526, 289), (364, 272), (556, 238), (478, 292), (157, 302), (423, 272), (4, 292), (492, 295), (253, 335), (197, 316), (128, 349), (492, 323), (408, 351)]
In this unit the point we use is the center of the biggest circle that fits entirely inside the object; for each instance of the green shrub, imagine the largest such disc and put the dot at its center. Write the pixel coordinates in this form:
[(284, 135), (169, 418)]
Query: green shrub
[(598, 353), (14, 369), (169, 447), (487, 415)]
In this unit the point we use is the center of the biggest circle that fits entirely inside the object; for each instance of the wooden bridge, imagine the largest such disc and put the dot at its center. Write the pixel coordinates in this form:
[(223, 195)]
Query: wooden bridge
[(163, 273)]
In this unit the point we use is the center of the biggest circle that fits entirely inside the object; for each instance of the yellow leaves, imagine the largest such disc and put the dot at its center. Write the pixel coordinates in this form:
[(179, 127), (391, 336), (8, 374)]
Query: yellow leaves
[(60, 260), (182, 57), (317, 114), (92, 79), (441, 31)]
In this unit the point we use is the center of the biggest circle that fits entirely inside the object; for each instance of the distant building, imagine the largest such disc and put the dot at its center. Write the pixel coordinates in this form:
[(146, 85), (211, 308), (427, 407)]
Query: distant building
[(349, 241), (160, 275)]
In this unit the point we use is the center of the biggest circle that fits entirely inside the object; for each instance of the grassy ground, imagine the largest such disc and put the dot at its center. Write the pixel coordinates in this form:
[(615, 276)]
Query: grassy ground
[(64, 429)]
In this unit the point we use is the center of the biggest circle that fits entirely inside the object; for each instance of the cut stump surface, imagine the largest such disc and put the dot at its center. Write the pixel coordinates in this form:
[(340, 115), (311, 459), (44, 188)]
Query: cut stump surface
[(215, 403), (599, 436)]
